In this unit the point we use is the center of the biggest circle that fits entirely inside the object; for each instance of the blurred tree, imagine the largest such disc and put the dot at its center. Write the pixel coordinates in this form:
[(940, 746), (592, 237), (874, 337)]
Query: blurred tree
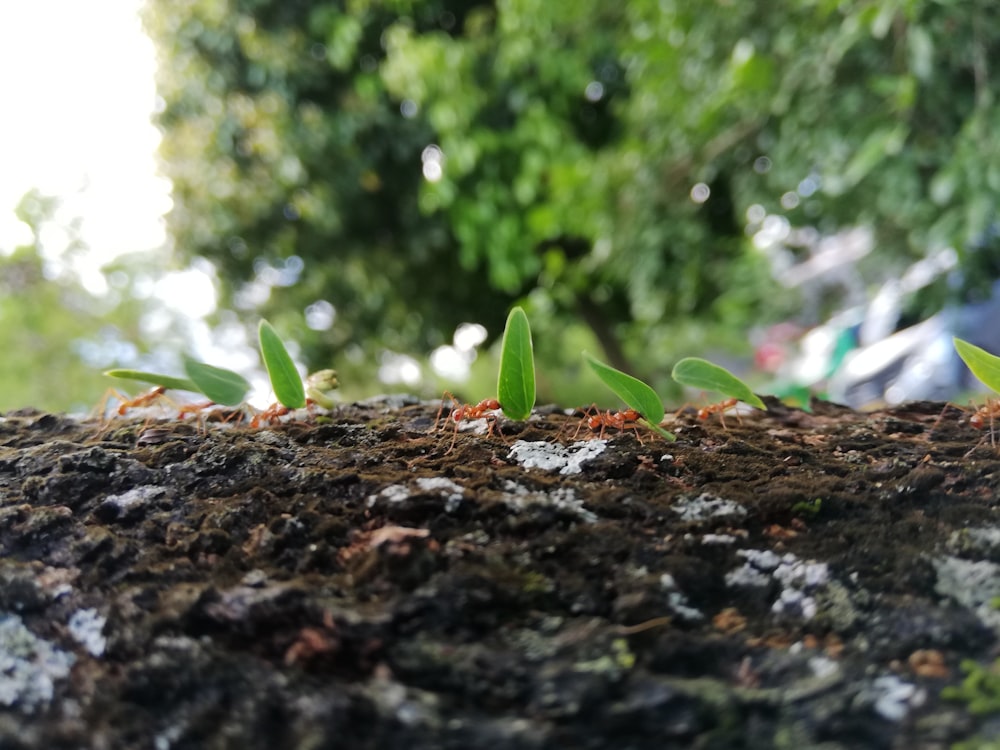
[(56, 336), (418, 163)]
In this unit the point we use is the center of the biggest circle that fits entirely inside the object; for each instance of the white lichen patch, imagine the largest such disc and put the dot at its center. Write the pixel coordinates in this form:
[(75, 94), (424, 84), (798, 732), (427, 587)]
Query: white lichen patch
[(894, 698), (135, 496), (446, 487), (717, 539), (518, 497), (981, 541), (706, 506), (800, 580), (87, 626), (678, 601), (394, 493), (974, 585), (397, 493), (823, 667), (539, 454), (29, 666), (478, 426)]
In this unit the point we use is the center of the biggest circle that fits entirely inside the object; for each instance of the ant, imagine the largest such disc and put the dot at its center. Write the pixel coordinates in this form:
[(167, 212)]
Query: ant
[(617, 420), (989, 410), (460, 412), (720, 408), (981, 418), (271, 415), (143, 399), (149, 398), (125, 403)]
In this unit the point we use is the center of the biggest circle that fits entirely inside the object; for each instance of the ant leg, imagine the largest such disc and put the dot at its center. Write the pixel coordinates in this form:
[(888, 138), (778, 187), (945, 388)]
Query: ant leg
[(588, 413), (635, 429), (455, 404), (100, 410), (493, 425), (454, 438), (948, 405), (684, 407)]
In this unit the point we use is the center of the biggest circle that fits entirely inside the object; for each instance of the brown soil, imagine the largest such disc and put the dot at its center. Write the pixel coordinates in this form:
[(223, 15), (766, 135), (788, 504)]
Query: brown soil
[(792, 581)]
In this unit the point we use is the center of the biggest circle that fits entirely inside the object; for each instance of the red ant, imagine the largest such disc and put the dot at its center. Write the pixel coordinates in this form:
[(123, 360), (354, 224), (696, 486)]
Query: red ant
[(271, 415), (980, 419), (720, 408), (461, 412), (143, 399), (126, 403), (617, 420), (989, 410)]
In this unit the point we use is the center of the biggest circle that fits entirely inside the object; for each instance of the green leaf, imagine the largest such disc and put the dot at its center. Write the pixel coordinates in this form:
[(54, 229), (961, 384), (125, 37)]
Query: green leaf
[(167, 381), (218, 384), (636, 394), (984, 365), (285, 380), (318, 386), (700, 373), (516, 381)]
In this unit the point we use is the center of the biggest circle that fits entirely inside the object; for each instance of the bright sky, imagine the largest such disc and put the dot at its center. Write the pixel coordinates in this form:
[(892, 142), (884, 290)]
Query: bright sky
[(76, 92)]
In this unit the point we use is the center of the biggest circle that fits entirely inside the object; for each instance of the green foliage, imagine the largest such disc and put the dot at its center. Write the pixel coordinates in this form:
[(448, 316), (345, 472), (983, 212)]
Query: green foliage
[(285, 380), (219, 385), (699, 373), (980, 690), (810, 508), (167, 381), (516, 378), (983, 365), (419, 163)]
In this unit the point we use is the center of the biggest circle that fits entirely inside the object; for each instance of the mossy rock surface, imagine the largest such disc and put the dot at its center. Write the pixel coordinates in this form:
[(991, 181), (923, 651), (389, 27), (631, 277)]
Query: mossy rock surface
[(364, 580)]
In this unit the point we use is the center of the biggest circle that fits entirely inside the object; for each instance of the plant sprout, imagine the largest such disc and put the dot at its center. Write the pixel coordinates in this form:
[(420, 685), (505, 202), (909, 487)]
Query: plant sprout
[(516, 378), (695, 372), (285, 380), (635, 393), (319, 385)]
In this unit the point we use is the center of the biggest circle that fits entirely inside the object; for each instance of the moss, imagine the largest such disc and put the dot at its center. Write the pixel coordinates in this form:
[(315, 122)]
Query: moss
[(980, 689)]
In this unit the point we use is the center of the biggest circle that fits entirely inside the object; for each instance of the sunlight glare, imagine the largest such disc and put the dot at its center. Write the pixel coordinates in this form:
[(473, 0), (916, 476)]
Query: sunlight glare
[(77, 89)]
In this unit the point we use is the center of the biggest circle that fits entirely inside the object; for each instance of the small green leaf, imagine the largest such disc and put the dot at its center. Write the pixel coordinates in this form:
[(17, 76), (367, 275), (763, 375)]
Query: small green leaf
[(700, 373), (167, 381), (285, 380), (516, 381), (636, 394), (984, 365), (319, 385), (218, 384)]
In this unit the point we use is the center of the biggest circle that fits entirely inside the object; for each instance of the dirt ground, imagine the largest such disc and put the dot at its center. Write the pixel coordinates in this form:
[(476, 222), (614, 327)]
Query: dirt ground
[(792, 581)]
